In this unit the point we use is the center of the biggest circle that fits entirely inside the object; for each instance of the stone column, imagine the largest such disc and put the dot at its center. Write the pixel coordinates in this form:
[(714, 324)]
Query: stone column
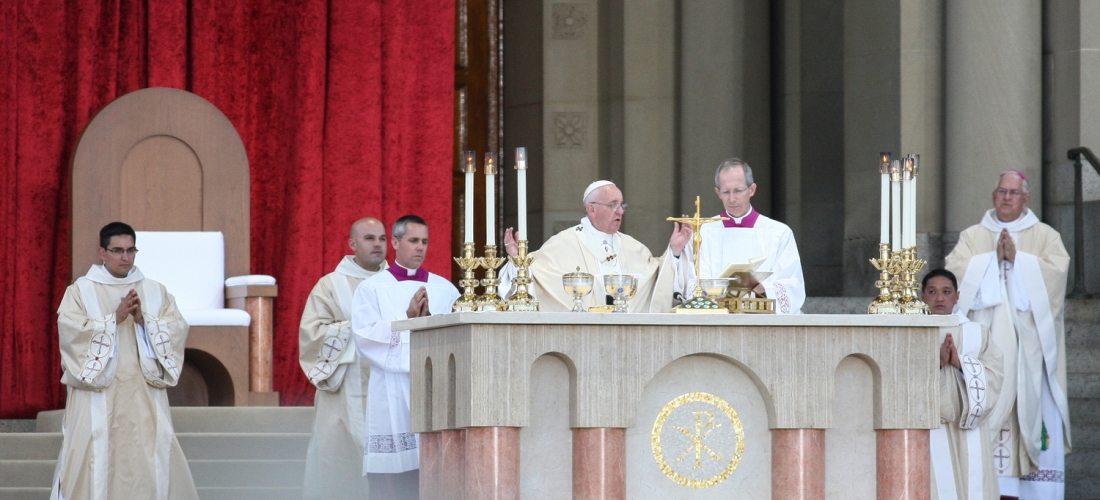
[(649, 120), (724, 97), (872, 124), (571, 112), (431, 465), (904, 464), (922, 117), (492, 463), (599, 468), (453, 476), (798, 464), (993, 103)]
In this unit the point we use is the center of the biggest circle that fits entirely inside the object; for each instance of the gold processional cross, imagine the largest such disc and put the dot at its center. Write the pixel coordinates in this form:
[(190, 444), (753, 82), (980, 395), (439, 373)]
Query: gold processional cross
[(696, 239)]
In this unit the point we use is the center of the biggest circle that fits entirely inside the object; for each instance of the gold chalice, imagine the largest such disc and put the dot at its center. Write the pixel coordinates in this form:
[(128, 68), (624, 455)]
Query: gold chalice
[(622, 287), (577, 284)]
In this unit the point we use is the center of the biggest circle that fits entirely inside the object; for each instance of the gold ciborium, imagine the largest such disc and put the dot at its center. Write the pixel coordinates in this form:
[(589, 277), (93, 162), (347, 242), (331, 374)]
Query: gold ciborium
[(577, 285), (622, 287)]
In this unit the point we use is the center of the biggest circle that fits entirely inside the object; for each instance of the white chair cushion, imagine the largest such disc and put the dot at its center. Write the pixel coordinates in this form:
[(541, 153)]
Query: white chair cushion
[(191, 265), (216, 317), (251, 279)]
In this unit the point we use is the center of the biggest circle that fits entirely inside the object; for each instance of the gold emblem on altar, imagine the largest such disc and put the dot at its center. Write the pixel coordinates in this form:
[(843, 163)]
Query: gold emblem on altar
[(698, 440)]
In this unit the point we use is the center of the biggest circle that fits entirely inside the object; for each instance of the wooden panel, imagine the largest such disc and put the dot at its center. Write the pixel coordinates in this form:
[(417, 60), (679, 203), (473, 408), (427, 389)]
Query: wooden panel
[(97, 169), (162, 182)]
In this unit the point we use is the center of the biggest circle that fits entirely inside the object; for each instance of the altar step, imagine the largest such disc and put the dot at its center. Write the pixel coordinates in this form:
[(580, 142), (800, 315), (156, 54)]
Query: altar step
[(233, 453)]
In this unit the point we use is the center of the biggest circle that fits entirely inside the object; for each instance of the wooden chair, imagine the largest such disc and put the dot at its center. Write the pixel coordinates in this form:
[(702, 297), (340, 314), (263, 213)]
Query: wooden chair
[(163, 159)]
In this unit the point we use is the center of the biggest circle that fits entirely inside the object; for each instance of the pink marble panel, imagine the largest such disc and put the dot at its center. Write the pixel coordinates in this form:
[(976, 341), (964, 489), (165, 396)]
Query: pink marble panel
[(431, 465), (599, 463), (454, 465), (903, 464), (798, 464), (492, 463)]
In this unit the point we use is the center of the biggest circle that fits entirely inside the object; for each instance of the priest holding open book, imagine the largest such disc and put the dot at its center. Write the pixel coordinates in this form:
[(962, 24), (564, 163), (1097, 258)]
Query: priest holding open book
[(751, 241)]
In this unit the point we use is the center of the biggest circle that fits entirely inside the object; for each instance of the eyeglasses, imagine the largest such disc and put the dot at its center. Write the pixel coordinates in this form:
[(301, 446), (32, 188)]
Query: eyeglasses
[(613, 207), (1005, 193), (726, 193), (119, 251)]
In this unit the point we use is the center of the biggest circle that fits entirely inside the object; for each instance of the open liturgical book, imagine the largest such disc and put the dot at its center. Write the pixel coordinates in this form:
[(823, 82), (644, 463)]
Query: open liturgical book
[(743, 267)]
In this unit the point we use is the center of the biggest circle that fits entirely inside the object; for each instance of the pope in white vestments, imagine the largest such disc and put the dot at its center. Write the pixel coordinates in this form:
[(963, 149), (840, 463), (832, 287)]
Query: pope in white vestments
[(596, 246), (1014, 271), (327, 354), (404, 290), (122, 342), (970, 382), (749, 235)]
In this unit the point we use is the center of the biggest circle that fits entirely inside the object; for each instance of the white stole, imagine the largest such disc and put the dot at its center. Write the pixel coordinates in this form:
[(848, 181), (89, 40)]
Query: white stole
[(975, 390)]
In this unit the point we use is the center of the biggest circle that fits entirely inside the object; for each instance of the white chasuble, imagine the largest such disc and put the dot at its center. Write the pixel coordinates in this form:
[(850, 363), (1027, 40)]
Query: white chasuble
[(328, 357), (962, 448), (600, 254), (1022, 304), (724, 243), (118, 440), (391, 447)]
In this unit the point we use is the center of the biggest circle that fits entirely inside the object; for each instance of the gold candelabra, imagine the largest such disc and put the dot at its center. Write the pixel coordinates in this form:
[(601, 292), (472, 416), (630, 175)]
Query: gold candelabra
[(899, 290), (469, 263), (522, 300), (490, 301)]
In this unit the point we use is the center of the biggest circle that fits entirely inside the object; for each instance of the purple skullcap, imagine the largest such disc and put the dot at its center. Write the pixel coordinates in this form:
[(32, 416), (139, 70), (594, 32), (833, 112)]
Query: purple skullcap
[(1019, 173)]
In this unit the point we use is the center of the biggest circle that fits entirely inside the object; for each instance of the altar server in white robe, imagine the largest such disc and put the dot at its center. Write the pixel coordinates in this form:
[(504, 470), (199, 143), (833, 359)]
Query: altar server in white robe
[(1014, 271), (597, 247), (327, 354), (121, 340), (970, 382), (405, 290), (748, 235)]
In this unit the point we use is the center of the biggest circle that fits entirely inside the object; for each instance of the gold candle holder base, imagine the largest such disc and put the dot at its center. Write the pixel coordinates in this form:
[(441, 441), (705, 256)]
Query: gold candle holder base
[(521, 300), (468, 262), (490, 301), (887, 265), (911, 302)]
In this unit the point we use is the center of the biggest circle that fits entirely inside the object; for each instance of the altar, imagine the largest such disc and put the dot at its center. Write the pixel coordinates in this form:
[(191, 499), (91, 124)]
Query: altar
[(565, 405)]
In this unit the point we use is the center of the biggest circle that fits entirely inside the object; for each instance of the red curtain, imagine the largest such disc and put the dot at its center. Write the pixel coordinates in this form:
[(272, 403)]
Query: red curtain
[(345, 108)]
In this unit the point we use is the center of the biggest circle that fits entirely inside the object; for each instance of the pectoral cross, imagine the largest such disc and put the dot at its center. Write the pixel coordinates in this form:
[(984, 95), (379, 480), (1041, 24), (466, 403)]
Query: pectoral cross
[(696, 238)]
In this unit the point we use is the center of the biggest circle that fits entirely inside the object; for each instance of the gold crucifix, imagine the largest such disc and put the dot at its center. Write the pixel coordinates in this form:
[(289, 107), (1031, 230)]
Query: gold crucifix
[(696, 238)]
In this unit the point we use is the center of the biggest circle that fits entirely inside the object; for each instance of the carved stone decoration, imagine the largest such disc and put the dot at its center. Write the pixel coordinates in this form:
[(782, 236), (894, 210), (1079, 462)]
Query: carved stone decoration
[(569, 21), (569, 130)]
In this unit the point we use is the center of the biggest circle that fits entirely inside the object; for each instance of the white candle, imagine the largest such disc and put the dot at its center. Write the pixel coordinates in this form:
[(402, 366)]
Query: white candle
[(884, 198), (490, 198), (521, 184), (468, 200), (912, 226), (895, 211)]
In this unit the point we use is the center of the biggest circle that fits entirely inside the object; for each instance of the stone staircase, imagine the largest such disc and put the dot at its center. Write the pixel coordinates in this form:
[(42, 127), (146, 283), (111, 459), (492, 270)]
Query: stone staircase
[(234, 453), (1083, 367)]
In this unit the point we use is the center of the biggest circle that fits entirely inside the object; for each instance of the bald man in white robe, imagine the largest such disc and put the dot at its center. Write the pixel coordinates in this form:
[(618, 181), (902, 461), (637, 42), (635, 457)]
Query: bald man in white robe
[(329, 359)]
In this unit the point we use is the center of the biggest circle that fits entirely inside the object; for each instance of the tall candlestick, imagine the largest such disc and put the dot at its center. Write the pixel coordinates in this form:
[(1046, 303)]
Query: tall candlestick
[(895, 205), (490, 198), (910, 205), (915, 166), (521, 185), (884, 197), (468, 201)]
